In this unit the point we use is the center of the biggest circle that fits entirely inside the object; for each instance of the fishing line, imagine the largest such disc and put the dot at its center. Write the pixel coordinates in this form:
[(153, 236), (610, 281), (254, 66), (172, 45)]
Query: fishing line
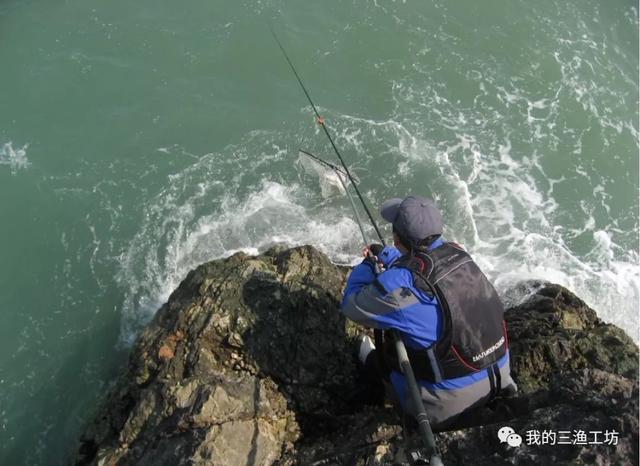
[(321, 122)]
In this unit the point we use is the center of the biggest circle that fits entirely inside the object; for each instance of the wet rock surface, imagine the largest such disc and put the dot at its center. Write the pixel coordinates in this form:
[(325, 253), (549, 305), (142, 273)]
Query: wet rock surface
[(251, 362)]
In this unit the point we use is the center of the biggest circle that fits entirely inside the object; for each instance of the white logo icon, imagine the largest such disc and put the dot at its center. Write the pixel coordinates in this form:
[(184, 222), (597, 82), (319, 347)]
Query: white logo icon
[(514, 440), (504, 432), (508, 435)]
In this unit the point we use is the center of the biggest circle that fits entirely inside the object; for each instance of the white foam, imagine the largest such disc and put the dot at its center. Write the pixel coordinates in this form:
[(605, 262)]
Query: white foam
[(15, 159), (176, 236), (483, 160), (517, 240), (504, 209), (498, 209)]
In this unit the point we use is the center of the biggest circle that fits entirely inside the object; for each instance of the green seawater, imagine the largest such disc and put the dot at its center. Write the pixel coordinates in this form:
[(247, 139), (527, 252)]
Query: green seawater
[(139, 139)]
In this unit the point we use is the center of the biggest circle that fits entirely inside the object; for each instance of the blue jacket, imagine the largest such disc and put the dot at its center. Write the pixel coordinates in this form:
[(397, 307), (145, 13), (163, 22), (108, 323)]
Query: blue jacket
[(405, 308)]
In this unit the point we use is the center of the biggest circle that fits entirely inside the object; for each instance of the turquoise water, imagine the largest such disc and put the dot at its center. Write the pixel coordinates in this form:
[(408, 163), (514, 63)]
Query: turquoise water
[(138, 140)]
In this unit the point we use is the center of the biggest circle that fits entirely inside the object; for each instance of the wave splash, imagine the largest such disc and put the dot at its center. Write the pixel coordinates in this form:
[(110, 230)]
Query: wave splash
[(512, 164), (502, 209), (15, 159), (206, 214)]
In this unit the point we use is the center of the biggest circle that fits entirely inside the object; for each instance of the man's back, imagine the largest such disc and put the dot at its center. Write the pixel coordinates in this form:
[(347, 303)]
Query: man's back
[(393, 300)]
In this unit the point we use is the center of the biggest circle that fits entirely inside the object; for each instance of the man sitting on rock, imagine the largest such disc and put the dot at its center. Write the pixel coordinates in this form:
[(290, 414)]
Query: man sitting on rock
[(448, 315)]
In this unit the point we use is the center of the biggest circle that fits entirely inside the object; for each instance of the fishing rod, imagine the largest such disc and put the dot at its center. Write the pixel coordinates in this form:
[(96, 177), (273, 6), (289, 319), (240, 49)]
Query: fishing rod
[(321, 122), (414, 391), (424, 428), (339, 174)]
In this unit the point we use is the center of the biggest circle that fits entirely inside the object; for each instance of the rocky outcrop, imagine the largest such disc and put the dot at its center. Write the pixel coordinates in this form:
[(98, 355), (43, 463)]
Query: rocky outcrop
[(577, 376), (250, 362)]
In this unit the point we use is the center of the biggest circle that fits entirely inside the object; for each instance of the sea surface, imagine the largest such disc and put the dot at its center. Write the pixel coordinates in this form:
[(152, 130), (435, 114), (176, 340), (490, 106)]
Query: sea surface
[(140, 139)]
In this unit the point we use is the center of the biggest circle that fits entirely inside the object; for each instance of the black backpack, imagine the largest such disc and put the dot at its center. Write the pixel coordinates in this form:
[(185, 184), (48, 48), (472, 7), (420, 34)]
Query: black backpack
[(474, 335)]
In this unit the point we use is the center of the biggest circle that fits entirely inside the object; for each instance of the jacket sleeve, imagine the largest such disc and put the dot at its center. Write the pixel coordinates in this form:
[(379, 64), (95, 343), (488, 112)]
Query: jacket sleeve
[(367, 302), (361, 275)]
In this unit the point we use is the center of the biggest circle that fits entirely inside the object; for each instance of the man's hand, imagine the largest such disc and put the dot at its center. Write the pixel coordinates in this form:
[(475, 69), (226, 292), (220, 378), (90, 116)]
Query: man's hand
[(370, 256), (372, 250), (376, 253)]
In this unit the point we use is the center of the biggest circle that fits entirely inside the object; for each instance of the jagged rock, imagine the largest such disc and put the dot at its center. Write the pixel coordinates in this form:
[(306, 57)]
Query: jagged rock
[(585, 400), (555, 331), (250, 362)]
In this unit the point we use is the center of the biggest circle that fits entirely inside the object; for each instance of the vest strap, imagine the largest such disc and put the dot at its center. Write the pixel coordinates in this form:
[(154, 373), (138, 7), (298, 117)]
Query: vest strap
[(435, 367), (492, 383), (495, 380), (496, 371)]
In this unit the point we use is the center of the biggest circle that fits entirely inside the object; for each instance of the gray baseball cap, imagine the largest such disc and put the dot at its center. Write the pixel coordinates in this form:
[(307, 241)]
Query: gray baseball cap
[(414, 217)]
